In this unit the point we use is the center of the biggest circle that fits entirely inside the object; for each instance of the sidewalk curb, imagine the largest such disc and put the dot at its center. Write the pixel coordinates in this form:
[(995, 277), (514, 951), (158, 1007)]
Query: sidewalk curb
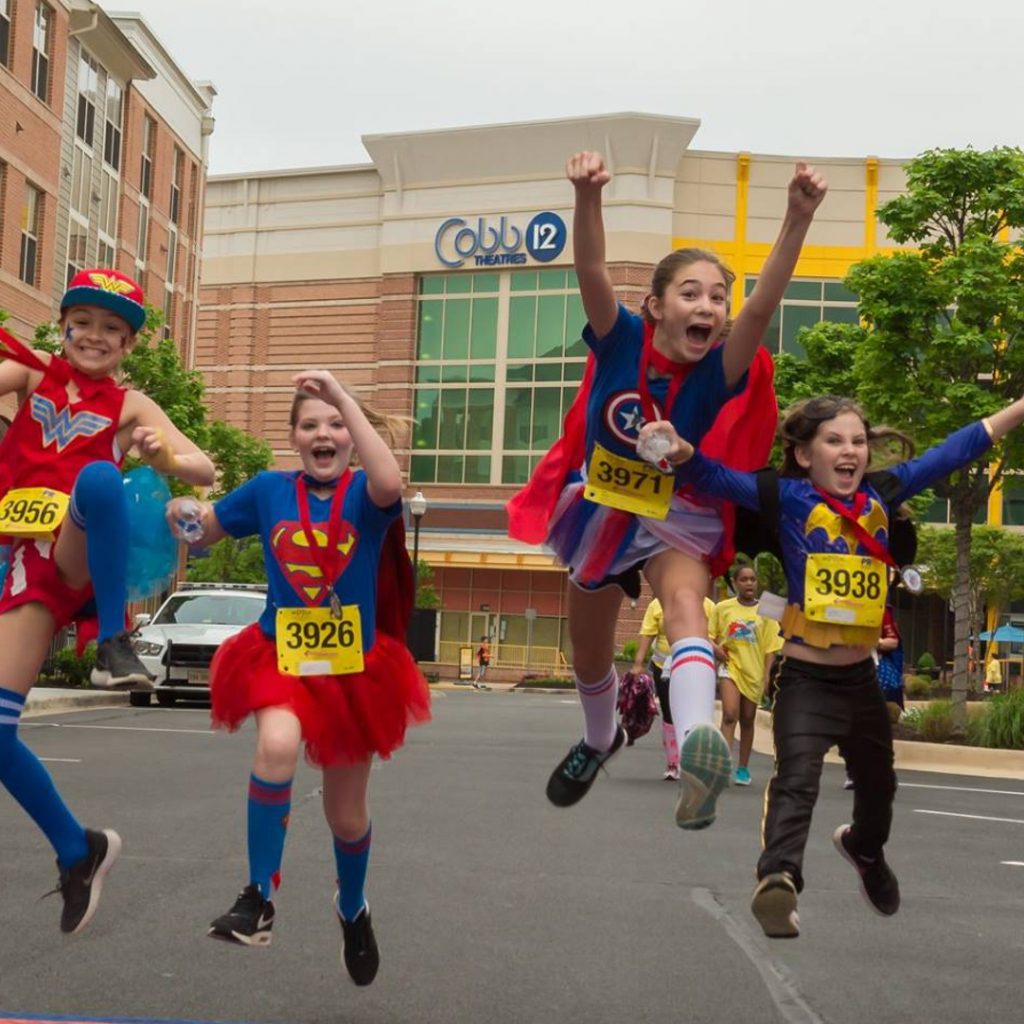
[(39, 703)]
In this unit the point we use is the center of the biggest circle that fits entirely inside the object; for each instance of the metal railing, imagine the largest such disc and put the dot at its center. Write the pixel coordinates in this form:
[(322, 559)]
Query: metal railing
[(534, 658)]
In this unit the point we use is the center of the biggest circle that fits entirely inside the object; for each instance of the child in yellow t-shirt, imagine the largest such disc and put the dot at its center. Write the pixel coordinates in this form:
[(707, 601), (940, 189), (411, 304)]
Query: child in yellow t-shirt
[(748, 643)]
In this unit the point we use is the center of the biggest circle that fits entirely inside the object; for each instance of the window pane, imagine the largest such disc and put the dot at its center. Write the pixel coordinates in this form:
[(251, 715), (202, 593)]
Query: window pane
[(480, 420), (449, 469), (937, 511), (804, 290), (517, 418), (485, 283), (524, 281), (459, 284), (793, 318), (840, 314), (551, 279), (573, 371), (568, 397), (521, 318), (547, 421), (433, 285), (481, 373), (454, 373), (520, 372), (773, 332), (431, 325), (575, 319), (452, 429), (1013, 502), (428, 373), (550, 325), (423, 469), (478, 469), (548, 371), (425, 431), (838, 292), (515, 469), (483, 340), (748, 284), (456, 329)]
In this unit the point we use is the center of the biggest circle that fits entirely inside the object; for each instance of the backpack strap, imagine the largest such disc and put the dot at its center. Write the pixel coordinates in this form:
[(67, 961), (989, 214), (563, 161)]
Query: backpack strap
[(887, 484), (768, 497)]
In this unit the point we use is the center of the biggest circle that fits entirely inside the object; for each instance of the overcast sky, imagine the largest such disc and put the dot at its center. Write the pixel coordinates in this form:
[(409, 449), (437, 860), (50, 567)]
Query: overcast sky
[(299, 83)]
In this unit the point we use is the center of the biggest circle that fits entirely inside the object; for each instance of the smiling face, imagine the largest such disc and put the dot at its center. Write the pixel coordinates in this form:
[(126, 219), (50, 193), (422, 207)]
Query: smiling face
[(95, 340), (322, 440), (837, 456), (691, 312)]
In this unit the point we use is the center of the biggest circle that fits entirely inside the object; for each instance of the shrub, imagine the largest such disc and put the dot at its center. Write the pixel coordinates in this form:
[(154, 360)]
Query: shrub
[(935, 723), (926, 661), (71, 669), (629, 650), (917, 687), (548, 682), (1001, 723)]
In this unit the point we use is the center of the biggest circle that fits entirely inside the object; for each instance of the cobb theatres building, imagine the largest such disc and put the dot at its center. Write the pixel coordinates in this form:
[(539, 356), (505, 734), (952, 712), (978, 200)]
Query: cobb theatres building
[(437, 280)]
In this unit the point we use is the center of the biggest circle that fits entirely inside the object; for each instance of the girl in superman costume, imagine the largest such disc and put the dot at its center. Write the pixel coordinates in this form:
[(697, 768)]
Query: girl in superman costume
[(608, 516), (326, 665), (833, 530), (64, 509)]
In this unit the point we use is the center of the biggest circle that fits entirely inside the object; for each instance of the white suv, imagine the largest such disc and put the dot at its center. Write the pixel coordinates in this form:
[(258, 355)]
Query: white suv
[(178, 643)]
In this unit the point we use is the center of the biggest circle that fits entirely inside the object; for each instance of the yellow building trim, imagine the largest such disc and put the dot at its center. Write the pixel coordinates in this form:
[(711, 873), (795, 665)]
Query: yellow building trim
[(490, 560), (870, 205), (738, 259), (995, 498)]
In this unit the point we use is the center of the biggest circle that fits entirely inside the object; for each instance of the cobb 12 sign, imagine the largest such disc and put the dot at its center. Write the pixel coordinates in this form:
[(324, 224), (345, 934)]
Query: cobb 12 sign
[(490, 243)]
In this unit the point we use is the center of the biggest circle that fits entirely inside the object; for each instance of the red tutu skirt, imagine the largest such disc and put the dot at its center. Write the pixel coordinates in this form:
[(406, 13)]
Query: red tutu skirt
[(344, 719)]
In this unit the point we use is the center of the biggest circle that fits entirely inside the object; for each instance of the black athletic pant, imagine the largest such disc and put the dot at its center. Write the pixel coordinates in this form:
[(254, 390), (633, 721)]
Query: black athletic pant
[(661, 689), (818, 707)]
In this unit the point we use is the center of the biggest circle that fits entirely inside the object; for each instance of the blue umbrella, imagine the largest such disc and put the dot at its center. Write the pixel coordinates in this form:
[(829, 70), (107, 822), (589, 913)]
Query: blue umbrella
[(1006, 634)]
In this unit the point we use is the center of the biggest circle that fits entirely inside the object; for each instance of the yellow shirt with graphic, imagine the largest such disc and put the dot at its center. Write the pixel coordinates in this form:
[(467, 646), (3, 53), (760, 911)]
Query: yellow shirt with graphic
[(654, 625), (748, 639)]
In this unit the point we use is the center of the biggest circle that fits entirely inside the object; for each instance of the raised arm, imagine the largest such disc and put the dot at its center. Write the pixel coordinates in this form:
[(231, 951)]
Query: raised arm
[(162, 444), (806, 191), (588, 175), (383, 475)]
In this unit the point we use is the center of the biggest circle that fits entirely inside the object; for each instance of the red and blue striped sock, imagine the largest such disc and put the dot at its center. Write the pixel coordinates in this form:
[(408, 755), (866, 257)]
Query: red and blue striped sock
[(691, 685), (352, 857), (269, 806)]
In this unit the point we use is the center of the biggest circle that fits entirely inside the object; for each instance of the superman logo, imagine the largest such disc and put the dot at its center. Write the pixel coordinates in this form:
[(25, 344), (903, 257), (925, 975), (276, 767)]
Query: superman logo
[(836, 528), (111, 284), (298, 563)]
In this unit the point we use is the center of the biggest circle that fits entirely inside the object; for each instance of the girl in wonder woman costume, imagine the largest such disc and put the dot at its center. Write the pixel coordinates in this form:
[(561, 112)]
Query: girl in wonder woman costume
[(326, 664), (63, 506)]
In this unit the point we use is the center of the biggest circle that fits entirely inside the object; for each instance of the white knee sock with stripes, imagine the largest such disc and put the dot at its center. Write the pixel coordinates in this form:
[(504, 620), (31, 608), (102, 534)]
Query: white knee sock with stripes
[(598, 700), (691, 686)]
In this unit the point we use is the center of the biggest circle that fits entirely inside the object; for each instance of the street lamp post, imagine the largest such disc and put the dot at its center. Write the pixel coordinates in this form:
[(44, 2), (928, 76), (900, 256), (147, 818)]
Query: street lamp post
[(418, 509)]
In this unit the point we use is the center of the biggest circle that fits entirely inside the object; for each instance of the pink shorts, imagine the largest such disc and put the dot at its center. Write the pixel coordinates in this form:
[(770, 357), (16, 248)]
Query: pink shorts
[(33, 576)]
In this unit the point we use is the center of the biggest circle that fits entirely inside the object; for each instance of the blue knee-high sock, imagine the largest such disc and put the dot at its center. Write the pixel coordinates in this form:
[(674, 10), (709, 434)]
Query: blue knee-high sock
[(99, 508), (269, 806), (28, 781), (352, 857)]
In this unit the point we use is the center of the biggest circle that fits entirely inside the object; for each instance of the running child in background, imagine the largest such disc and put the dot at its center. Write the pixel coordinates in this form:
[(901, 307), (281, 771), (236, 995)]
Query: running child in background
[(63, 507), (834, 533), (326, 664), (748, 644), (616, 515)]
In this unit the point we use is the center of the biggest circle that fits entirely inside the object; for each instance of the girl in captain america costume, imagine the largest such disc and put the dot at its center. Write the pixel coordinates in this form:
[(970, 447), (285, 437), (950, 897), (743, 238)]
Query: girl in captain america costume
[(609, 516), (326, 665), (833, 531), (63, 505)]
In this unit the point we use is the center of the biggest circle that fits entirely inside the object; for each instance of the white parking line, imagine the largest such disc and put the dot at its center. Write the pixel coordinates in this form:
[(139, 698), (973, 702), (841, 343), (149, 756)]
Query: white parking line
[(61, 760), (120, 728), (974, 817), (960, 789), (1013, 863)]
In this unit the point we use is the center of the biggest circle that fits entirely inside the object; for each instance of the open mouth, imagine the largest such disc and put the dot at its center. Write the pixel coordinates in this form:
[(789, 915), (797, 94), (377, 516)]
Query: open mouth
[(323, 454), (846, 473), (698, 334)]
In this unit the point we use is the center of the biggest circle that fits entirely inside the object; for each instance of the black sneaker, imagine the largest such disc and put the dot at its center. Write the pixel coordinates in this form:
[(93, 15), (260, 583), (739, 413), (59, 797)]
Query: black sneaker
[(576, 772), (359, 952), (878, 885), (118, 666), (248, 922), (774, 906), (80, 885)]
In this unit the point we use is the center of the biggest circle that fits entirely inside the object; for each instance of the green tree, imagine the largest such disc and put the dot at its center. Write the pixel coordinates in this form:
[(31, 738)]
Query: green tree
[(229, 561), (426, 595)]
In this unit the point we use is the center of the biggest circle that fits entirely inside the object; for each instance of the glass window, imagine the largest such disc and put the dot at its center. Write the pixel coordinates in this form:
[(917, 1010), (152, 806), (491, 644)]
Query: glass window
[(5, 32), (806, 302), (81, 181), (547, 419), (478, 469), (810, 290), (452, 427), (479, 419), (78, 241), (88, 83), (550, 325), (795, 318), (31, 216), (41, 51), (1013, 501), (449, 469), (521, 326), (176, 175), (456, 329), (483, 339), (112, 134), (425, 432), (431, 330), (836, 291), (518, 410), (146, 159), (143, 241)]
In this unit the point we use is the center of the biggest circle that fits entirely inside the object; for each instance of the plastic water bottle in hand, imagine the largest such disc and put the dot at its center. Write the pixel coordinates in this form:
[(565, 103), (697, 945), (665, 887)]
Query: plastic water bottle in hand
[(188, 525), (653, 447)]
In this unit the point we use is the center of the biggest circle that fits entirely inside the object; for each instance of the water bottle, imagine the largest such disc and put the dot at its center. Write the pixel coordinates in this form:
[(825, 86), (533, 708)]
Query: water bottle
[(188, 524), (653, 447)]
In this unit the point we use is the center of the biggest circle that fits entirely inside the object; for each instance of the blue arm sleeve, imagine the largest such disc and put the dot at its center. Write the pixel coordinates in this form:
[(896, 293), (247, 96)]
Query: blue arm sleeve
[(625, 326), (960, 448), (711, 477), (238, 512)]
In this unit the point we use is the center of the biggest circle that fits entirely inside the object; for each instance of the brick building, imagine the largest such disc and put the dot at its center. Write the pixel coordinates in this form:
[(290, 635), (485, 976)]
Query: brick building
[(103, 152)]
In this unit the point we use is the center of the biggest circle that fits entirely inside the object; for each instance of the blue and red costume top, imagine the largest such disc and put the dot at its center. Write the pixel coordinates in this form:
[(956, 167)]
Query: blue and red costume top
[(345, 719), (807, 524)]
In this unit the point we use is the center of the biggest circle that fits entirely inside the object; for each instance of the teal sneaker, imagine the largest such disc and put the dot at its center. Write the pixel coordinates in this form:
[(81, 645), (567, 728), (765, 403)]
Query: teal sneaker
[(742, 776), (705, 767)]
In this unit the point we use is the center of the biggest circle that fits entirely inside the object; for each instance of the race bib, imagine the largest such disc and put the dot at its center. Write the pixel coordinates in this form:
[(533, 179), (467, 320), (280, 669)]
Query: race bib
[(33, 512), (628, 484), (315, 642), (848, 590)]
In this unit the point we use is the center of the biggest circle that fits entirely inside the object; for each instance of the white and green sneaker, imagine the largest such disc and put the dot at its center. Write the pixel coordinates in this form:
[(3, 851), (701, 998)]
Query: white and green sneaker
[(705, 768)]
